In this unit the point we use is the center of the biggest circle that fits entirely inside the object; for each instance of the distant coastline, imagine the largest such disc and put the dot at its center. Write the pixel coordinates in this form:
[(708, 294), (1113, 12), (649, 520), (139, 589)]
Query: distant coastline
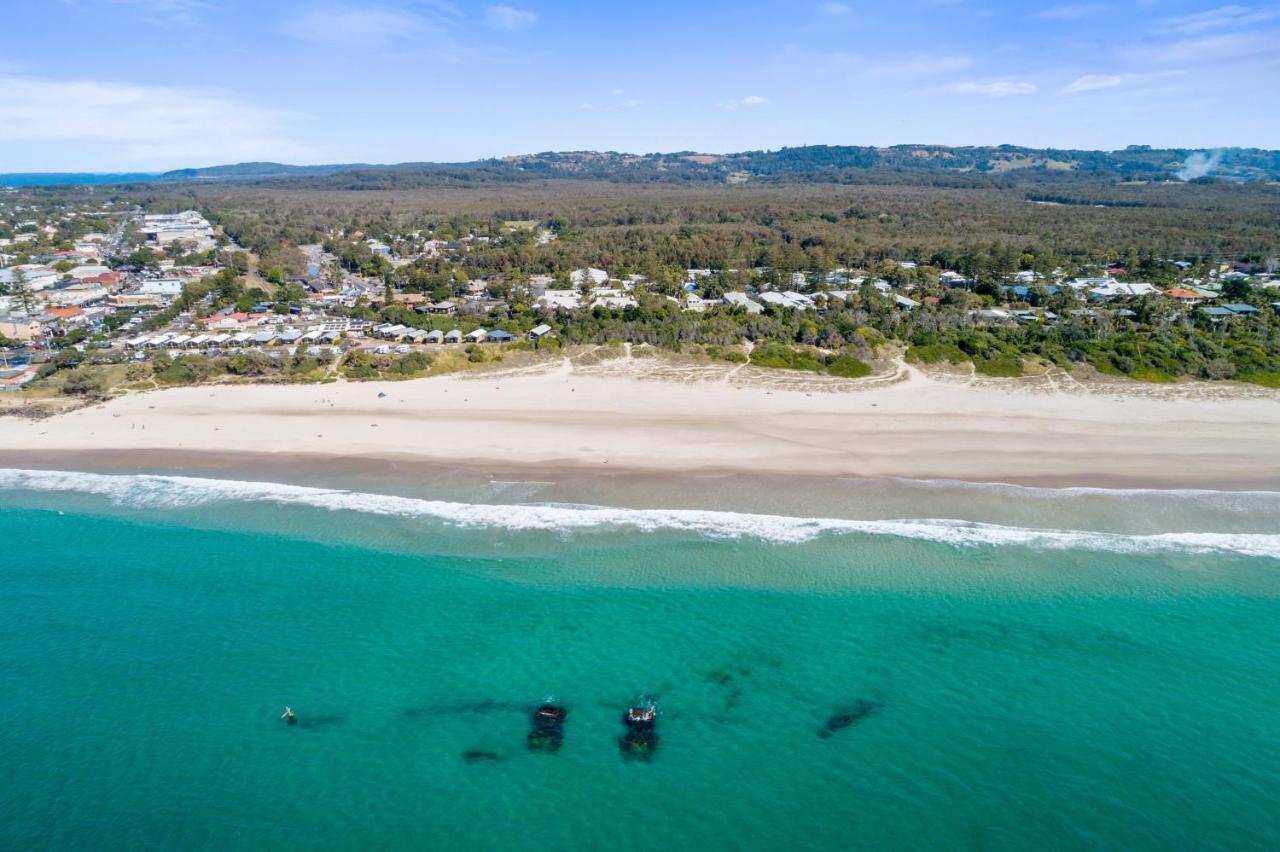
[(74, 178)]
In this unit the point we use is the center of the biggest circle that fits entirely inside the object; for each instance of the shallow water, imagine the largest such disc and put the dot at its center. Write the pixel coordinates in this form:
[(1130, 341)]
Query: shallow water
[(1023, 690)]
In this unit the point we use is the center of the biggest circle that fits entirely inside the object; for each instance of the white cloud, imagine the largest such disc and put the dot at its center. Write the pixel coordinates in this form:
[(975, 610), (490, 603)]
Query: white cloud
[(152, 126), (1215, 49), (359, 27), (1071, 12), (1092, 83), (996, 88), (633, 102), (587, 107), (834, 10), (1224, 17), (921, 66), (509, 19), (174, 12), (749, 102)]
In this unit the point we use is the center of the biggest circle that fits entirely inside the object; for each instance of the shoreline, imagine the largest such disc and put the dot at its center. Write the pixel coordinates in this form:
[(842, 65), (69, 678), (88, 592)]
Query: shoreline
[(615, 421), (302, 468)]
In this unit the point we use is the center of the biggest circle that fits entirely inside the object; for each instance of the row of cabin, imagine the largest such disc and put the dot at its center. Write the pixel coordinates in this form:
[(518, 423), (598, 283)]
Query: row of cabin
[(288, 337), (408, 334)]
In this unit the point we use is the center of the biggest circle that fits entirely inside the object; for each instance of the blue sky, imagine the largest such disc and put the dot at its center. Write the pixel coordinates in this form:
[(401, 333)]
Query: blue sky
[(156, 84)]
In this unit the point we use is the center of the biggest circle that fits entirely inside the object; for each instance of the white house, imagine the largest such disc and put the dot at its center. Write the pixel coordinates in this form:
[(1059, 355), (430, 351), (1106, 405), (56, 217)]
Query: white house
[(742, 300), (597, 276)]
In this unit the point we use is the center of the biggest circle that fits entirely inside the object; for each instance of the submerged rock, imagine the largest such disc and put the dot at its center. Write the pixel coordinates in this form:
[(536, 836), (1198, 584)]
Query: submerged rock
[(848, 717), (475, 755)]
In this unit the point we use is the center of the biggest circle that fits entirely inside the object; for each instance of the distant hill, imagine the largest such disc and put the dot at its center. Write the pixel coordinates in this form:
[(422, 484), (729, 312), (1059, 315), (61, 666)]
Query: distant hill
[(935, 164), (258, 170)]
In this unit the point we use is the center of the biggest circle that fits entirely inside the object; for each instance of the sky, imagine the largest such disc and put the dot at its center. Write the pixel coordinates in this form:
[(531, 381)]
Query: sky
[(116, 85)]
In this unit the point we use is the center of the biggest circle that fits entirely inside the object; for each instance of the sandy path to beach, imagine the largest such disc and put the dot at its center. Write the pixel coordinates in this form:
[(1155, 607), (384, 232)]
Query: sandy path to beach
[(609, 414)]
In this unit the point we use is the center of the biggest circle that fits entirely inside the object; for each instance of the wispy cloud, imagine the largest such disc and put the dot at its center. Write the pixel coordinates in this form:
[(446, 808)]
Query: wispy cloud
[(1092, 83), (1224, 48), (834, 10), (376, 26), (913, 67), (995, 88), (509, 18), (1101, 82), (1222, 18), (1071, 12), (749, 102), (167, 12), (152, 125)]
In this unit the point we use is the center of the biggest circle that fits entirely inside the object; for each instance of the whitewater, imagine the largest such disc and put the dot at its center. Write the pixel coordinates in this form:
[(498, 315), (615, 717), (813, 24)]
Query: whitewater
[(160, 492)]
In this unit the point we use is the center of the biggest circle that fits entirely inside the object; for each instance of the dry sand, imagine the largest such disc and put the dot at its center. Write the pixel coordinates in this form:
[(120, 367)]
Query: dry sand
[(648, 415)]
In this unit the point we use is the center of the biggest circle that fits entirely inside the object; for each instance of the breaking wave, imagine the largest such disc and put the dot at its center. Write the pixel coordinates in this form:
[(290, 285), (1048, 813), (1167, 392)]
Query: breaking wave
[(152, 491)]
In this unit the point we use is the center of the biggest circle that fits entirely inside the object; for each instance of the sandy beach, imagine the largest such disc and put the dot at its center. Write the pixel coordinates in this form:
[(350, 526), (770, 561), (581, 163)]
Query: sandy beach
[(628, 416)]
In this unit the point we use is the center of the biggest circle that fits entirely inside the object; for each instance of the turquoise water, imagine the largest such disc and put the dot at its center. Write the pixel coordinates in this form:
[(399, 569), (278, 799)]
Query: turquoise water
[(1091, 690)]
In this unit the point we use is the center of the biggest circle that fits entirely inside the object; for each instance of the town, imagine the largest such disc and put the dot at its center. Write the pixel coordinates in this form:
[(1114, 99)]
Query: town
[(173, 298)]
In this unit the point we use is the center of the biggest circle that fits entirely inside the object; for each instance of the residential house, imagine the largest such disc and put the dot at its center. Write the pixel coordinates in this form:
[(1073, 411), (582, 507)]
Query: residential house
[(1117, 289), (597, 277), (743, 301), (1184, 296), (567, 300)]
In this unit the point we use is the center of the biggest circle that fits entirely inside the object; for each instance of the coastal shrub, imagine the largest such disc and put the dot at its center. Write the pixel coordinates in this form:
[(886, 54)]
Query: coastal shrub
[(412, 364), (359, 365), (180, 372), (936, 353), (1218, 369), (84, 382), (1003, 366), (251, 364), (1267, 380), (138, 371), (1150, 374), (848, 367), (783, 357), (871, 336), (301, 365), (733, 356)]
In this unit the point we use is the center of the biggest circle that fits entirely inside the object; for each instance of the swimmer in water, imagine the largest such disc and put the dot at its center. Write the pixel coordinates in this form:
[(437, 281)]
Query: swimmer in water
[(288, 716)]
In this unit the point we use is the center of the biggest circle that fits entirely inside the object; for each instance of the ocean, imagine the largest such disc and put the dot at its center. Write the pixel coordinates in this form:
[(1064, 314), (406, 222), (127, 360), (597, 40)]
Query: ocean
[(836, 664)]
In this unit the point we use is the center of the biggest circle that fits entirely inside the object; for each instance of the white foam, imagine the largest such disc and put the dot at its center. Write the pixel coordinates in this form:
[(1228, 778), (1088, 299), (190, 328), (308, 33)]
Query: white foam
[(169, 492)]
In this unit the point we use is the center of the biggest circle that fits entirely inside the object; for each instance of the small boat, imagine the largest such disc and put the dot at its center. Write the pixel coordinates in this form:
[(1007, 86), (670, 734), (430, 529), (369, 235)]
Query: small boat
[(641, 738), (547, 731)]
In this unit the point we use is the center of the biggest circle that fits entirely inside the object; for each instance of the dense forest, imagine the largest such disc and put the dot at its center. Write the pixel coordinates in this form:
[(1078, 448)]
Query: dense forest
[(758, 235)]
